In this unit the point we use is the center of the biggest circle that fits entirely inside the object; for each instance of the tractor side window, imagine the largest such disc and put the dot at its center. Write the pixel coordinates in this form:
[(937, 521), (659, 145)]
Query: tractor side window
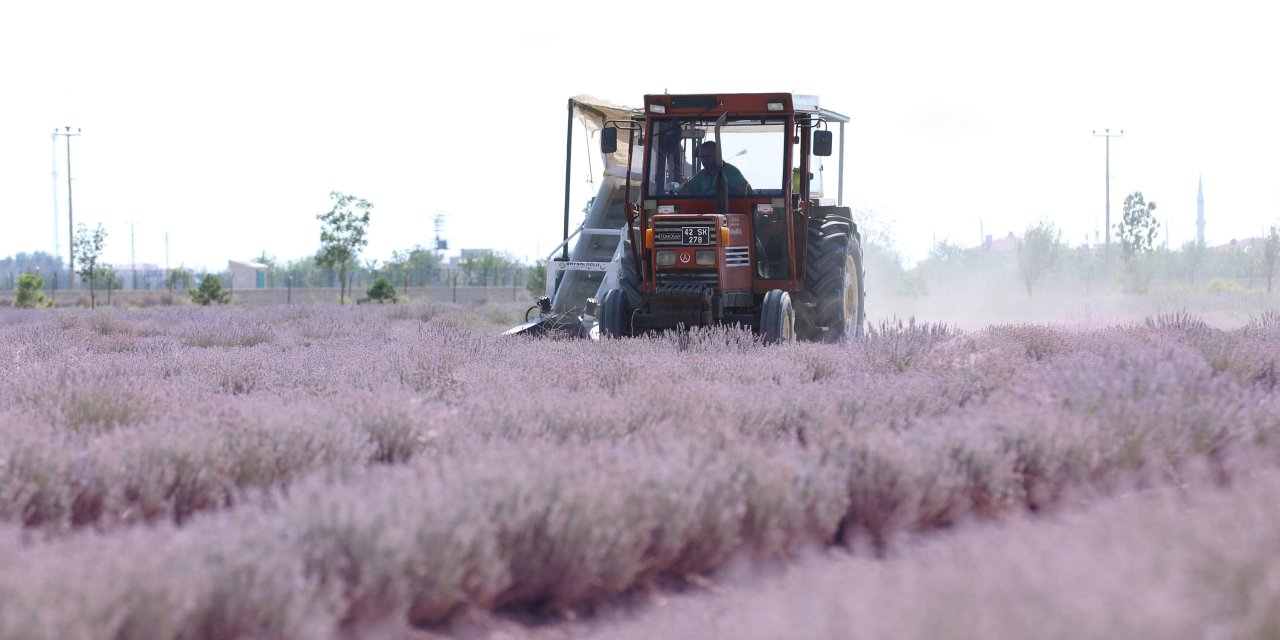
[(667, 168), (815, 173), (815, 183)]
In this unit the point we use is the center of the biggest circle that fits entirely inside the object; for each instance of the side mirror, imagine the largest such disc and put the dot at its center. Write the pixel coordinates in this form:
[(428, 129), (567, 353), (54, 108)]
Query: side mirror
[(822, 142), (609, 140)]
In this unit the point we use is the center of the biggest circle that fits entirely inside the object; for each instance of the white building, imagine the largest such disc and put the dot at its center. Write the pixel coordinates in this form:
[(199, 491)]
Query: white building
[(246, 275)]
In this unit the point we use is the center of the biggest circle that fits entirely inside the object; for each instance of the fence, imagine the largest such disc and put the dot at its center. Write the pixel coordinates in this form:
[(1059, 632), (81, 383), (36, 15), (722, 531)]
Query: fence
[(319, 286), (357, 279)]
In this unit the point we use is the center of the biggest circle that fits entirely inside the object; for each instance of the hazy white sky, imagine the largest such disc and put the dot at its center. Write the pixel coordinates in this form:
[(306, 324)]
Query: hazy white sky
[(227, 124)]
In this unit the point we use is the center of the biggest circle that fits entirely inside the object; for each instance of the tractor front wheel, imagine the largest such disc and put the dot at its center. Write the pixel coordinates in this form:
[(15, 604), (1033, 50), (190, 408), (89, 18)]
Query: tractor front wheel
[(615, 317), (777, 318)]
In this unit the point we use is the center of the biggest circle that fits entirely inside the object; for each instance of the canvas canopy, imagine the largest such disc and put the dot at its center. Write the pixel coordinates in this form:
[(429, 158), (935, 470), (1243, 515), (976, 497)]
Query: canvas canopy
[(593, 113)]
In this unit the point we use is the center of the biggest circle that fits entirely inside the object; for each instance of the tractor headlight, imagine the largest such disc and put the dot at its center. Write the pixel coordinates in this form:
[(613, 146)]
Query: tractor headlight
[(666, 258), (705, 258)]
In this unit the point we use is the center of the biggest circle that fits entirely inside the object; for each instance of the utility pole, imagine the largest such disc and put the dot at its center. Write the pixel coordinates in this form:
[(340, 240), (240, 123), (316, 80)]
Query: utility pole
[(1106, 133), (57, 245), (71, 224)]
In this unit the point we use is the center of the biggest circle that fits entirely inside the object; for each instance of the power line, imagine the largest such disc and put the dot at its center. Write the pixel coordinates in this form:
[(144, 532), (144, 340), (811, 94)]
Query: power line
[(133, 256)]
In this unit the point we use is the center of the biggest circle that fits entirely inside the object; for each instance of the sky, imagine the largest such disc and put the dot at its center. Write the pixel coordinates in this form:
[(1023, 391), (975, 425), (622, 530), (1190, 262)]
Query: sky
[(224, 126)]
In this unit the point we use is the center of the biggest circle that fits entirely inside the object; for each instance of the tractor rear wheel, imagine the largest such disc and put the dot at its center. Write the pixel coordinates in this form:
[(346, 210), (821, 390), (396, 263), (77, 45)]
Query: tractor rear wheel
[(831, 305), (615, 314), (777, 318)]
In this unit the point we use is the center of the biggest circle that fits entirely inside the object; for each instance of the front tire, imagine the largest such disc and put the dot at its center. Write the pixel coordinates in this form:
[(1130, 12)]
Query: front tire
[(628, 279), (777, 318), (615, 316)]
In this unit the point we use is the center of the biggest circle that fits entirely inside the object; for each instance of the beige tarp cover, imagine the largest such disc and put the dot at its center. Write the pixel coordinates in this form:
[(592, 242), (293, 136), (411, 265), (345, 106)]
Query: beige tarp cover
[(593, 112)]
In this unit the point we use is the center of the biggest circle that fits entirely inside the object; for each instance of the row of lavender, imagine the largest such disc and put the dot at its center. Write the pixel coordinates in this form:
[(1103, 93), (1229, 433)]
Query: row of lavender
[(1171, 563), (308, 469)]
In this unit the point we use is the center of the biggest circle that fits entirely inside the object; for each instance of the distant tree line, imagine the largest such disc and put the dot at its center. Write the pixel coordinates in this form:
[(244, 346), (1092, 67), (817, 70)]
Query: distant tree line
[(415, 267), (1041, 257), (1037, 261)]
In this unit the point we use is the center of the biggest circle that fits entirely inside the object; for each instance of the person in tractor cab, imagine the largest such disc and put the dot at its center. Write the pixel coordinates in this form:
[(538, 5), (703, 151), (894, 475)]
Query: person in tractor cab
[(703, 183)]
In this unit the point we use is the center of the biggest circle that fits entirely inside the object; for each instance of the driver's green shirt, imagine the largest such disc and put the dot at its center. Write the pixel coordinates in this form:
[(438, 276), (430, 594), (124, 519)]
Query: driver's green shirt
[(703, 183)]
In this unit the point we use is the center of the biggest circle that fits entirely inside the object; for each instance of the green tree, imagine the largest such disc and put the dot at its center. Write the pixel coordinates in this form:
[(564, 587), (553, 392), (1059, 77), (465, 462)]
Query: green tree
[(179, 277), (536, 283), (209, 291), (1039, 251), (381, 291), (37, 262), (303, 272), (1193, 256), (267, 259), (29, 294), (942, 265), (882, 261), (106, 277), (418, 263), (88, 250), (1137, 230), (487, 267), (1271, 255), (1083, 263), (342, 235)]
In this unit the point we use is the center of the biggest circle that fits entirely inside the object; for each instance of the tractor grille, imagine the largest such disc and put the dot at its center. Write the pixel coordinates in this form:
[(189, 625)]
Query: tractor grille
[(737, 257), (688, 276)]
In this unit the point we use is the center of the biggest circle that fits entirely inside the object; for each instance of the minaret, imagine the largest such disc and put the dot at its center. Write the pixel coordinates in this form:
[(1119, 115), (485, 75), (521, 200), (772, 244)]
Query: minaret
[(1200, 212)]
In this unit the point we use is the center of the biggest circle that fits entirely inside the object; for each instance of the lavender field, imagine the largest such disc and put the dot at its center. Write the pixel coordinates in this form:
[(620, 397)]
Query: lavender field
[(403, 471)]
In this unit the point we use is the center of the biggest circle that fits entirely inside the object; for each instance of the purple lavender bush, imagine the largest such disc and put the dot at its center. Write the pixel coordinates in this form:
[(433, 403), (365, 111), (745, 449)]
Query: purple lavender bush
[(316, 471)]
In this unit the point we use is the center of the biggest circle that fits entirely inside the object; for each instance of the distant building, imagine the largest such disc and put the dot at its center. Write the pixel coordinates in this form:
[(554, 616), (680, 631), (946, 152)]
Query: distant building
[(1007, 244), (465, 254), (1246, 245), (247, 275)]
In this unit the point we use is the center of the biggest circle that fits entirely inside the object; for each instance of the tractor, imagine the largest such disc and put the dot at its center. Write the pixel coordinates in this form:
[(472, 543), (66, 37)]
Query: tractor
[(724, 222)]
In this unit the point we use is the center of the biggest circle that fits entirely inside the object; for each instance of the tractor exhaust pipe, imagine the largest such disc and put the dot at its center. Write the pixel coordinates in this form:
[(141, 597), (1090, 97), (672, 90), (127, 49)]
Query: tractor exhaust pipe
[(722, 184)]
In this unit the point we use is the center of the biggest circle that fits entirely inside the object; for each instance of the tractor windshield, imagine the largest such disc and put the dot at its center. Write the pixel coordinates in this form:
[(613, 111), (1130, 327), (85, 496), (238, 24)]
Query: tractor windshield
[(683, 150)]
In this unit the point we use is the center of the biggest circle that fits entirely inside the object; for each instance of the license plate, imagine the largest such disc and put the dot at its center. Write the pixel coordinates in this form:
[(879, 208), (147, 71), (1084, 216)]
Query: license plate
[(696, 235)]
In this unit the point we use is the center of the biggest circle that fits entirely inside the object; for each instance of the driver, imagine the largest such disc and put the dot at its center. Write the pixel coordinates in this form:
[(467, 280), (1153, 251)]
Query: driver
[(703, 183)]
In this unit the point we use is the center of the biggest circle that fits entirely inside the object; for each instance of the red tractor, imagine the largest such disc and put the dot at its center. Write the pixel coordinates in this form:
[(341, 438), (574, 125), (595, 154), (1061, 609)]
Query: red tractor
[(727, 224), (711, 211)]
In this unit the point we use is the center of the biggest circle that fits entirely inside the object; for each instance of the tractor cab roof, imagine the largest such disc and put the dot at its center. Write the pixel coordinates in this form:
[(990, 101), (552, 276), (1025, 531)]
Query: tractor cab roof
[(715, 104)]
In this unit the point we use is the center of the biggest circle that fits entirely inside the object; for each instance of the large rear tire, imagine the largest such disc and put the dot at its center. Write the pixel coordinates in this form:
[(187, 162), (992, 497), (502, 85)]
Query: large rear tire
[(832, 304), (615, 315), (777, 318)]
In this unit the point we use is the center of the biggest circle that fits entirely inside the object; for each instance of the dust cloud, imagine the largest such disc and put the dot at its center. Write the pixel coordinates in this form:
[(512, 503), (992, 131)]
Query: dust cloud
[(972, 302)]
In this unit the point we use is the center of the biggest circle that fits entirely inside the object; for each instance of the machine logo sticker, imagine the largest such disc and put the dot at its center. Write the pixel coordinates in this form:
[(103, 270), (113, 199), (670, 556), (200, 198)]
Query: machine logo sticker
[(684, 257)]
